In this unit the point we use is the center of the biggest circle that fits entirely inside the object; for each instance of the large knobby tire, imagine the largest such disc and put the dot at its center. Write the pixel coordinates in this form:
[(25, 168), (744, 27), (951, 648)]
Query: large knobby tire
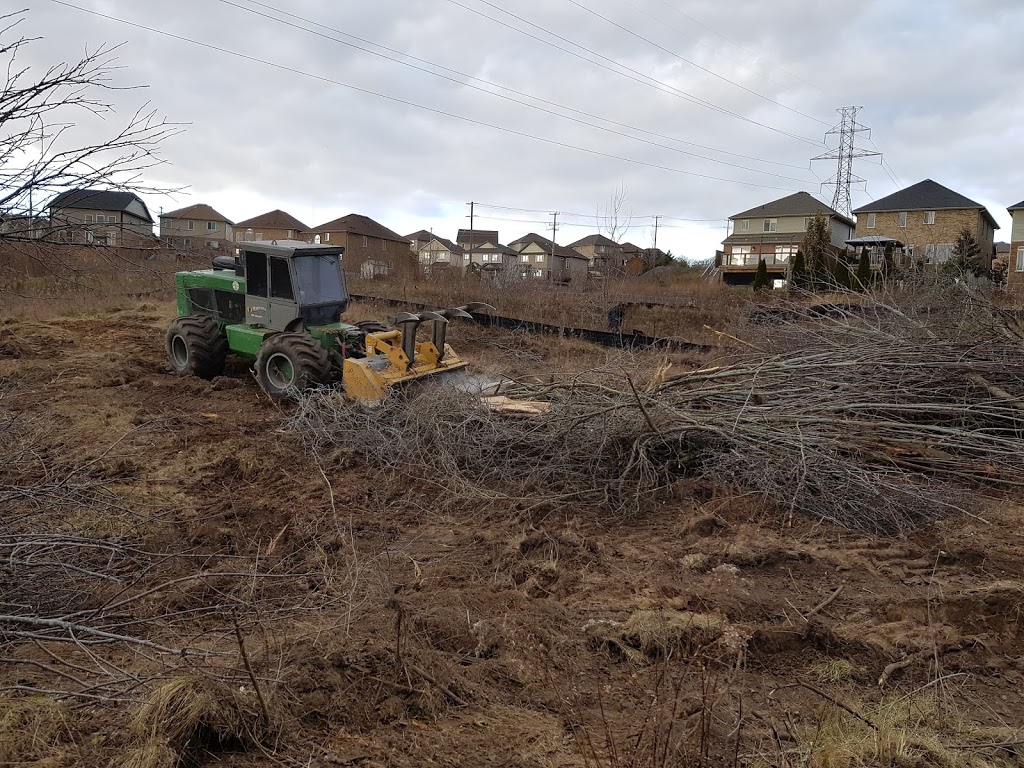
[(196, 346), (290, 362)]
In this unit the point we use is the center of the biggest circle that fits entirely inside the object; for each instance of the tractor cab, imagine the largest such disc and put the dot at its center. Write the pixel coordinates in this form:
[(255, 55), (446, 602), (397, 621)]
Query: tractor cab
[(289, 283)]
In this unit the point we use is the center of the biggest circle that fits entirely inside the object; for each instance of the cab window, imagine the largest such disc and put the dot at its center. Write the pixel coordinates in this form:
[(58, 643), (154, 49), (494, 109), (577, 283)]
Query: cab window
[(280, 279), (255, 273)]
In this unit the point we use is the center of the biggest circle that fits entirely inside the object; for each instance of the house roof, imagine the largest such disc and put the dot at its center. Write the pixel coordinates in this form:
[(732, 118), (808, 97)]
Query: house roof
[(1017, 207), (198, 211), (597, 239), (797, 204), (421, 235), (453, 247), (546, 244), (276, 219), (1002, 247), (99, 200), (356, 224), (926, 195), (497, 247), (478, 236)]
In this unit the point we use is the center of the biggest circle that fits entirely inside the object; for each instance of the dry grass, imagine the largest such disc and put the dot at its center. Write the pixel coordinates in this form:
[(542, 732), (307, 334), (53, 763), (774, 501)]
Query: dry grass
[(32, 729), (648, 635), (910, 731), (191, 712), (836, 670)]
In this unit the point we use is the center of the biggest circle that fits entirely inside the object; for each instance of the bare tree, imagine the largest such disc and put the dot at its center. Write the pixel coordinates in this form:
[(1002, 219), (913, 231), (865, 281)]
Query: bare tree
[(613, 218), (42, 151)]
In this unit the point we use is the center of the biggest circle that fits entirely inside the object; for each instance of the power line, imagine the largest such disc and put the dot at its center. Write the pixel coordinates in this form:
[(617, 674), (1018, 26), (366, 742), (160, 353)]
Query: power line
[(582, 215), (405, 102), (664, 23), (700, 23), (647, 79), (488, 82), (484, 90), (629, 31)]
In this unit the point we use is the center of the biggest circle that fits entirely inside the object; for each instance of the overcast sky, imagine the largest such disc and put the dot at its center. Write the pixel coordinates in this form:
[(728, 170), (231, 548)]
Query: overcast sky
[(709, 107)]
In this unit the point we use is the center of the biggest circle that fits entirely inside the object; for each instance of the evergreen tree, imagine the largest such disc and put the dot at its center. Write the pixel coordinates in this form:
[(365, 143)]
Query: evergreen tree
[(842, 275), (864, 268), (798, 274), (816, 244), (966, 258), (761, 279)]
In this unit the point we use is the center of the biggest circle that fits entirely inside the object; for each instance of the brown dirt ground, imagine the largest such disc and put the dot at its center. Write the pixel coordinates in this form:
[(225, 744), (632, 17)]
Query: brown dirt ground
[(476, 640)]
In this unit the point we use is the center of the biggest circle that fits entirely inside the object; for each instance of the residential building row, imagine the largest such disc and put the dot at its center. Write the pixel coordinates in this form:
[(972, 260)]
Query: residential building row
[(919, 226)]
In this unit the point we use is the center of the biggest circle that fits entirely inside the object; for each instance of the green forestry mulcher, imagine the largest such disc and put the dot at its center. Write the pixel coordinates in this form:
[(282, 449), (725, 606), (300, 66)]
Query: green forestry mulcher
[(280, 304)]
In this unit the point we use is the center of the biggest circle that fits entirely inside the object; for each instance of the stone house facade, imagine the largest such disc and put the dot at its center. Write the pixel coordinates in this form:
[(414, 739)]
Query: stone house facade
[(371, 249), (927, 218), (196, 227), (273, 225)]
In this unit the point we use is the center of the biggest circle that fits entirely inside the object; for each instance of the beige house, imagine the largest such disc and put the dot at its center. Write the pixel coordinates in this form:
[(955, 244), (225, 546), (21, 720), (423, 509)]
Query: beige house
[(371, 249), (438, 254), (196, 227), (96, 216), (606, 257), (541, 258), (419, 239), (273, 225), (774, 232), (927, 217), (1015, 261)]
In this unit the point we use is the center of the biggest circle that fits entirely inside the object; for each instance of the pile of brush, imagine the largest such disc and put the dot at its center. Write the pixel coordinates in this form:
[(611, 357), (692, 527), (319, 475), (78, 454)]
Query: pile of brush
[(878, 415)]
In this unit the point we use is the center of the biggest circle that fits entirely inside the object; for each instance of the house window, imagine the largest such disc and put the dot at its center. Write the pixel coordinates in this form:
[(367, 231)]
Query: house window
[(807, 222), (289, 235), (903, 219), (385, 245), (871, 221), (259, 235), (929, 217), (88, 218), (211, 226), (783, 253), (771, 225), (326, 237), (526, 258), (539, 258), (188, 242), (366, 241), (100, 218), (1020, 258), (738, 253), (744, 225)]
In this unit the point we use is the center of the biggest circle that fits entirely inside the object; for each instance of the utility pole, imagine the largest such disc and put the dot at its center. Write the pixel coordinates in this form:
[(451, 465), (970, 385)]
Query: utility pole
[(654, 255), (554, 229), (847, 130), (471, 207)]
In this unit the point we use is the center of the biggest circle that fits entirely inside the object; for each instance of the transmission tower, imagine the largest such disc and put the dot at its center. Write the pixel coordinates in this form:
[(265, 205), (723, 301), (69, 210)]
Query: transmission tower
[(844, 154)]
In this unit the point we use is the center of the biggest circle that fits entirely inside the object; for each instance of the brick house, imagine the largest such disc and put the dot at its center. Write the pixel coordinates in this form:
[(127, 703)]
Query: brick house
[(196, 227), (97, 216), (927, 217), (1015, 263), (371, 249), (774, 232), (539, 257), (606, 257), (273, 225)]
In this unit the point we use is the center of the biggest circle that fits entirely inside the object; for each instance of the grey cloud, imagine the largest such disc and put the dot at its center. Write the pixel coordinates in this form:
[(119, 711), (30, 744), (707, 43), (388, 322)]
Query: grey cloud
[(935, 87)]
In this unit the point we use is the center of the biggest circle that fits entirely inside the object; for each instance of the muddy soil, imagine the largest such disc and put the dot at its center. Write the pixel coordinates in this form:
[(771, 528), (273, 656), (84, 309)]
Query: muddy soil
[(715, 632)]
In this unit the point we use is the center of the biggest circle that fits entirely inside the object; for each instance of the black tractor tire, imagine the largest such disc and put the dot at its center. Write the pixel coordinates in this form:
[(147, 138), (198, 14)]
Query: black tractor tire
[(291, 362), (196, 346), (373, 326)]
